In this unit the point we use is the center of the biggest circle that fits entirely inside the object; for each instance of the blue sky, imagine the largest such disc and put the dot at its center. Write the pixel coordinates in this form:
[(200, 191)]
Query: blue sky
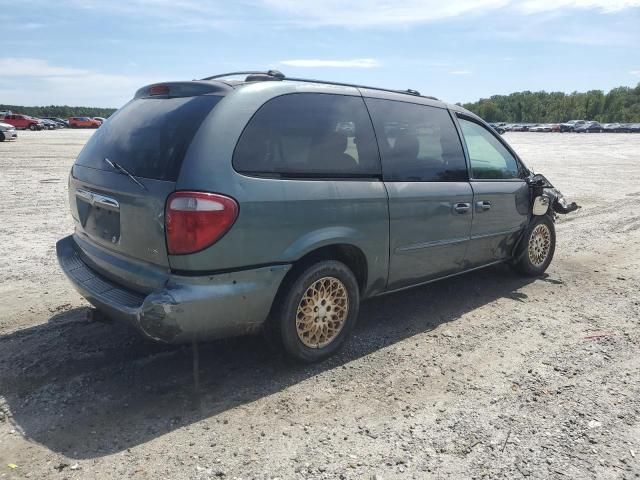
[(98, 52)]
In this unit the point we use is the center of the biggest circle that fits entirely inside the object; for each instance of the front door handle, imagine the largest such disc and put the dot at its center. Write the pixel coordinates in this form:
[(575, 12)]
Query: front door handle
[(461, 207), (483, 206)]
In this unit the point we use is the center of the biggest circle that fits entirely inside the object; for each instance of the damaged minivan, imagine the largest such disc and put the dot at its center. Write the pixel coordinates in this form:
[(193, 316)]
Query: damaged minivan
[(250, 203)]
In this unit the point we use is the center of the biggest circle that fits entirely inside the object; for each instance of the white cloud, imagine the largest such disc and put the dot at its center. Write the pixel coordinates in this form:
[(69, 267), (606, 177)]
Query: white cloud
[(34, 67), (605, 6), (460, 72), (314, 63), (30, 26), (32, 81), (196, 15), (374, 13), (366, 13), (183, 15), (635, 73)]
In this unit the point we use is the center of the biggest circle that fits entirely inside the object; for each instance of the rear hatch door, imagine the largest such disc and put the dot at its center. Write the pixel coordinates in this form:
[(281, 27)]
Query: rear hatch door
[(123, 176)]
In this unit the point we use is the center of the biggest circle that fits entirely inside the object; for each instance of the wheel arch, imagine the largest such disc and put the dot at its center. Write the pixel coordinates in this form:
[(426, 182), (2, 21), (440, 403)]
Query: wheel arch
[(349, 254)]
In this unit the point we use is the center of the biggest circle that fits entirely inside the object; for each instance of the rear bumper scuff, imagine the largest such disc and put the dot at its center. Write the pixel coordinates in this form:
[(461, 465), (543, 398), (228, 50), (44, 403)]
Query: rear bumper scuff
[(186, 308)]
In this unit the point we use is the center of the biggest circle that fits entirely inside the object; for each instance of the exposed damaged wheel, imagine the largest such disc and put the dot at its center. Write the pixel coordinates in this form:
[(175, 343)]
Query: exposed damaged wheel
[(315, 311), (537, 247)]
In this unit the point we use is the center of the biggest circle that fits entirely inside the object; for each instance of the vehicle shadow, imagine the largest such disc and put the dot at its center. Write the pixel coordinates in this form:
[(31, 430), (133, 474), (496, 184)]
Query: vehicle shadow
[(87, 389)]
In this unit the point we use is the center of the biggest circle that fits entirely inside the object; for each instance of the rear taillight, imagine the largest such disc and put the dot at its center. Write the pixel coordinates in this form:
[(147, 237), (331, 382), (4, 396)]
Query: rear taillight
[(196, 220)]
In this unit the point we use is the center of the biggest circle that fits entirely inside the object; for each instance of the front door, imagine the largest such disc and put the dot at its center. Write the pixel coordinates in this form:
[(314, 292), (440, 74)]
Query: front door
[(430, 198), (500, 195)]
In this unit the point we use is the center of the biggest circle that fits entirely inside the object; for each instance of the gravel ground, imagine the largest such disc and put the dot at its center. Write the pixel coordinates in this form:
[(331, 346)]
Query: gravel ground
[(487, 375)]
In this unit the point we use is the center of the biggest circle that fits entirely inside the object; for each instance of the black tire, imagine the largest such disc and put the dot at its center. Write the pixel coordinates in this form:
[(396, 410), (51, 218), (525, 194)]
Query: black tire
[(282, 326), (525, 260), (32, 127), (1, 137)]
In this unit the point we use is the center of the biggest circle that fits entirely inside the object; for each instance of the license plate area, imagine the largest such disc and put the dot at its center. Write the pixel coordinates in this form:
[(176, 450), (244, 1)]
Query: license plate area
[(99, 215)]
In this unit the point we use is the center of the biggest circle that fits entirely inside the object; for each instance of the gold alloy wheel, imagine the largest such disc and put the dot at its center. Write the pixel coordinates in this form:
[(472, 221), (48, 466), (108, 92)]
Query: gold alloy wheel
[(322, 312), (539, 245)]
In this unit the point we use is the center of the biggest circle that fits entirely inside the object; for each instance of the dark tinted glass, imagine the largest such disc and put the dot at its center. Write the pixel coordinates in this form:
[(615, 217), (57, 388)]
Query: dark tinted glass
[(489, 158), (148, 136), (418, 143), (309, 134)]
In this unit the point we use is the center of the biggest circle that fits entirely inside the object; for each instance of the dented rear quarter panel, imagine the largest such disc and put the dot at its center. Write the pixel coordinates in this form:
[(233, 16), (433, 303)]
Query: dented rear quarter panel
[(215, 306)]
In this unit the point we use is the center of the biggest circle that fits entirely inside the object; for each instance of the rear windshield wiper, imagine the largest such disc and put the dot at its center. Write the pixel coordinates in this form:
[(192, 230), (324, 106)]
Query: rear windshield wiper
[(116, 166)]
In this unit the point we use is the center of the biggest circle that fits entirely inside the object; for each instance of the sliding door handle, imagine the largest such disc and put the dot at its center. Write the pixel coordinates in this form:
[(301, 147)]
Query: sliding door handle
[(461, 208), (483, 206)]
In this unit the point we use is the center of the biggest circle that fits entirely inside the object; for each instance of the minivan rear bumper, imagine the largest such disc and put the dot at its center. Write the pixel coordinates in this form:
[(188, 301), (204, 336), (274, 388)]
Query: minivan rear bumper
[(187, 308)]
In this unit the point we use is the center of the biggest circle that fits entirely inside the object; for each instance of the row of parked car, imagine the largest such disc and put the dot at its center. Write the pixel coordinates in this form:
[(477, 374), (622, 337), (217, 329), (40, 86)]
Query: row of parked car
[(26, 122), (576, 126)]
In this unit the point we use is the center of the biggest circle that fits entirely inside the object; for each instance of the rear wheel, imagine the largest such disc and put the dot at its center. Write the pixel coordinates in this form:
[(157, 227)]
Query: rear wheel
[(315, 311), (537, 248)]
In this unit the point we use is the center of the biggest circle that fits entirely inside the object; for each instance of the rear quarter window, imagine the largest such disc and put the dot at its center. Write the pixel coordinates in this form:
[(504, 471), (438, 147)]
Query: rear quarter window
[(309, 135), (148, 136)]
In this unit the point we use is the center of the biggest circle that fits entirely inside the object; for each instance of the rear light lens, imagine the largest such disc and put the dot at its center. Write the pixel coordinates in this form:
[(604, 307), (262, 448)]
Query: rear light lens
[(196, 220), (159, 90)]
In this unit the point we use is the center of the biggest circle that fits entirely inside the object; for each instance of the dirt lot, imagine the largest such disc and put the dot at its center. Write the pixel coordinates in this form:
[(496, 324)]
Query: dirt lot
[(488, 375)]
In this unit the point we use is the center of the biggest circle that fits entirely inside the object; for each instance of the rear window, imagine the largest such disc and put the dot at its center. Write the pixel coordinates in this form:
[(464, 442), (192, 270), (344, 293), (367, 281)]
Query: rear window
[(313, 135), (148, 136)]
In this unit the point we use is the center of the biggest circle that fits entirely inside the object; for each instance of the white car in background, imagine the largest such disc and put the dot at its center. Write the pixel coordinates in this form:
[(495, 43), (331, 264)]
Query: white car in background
[(7, 132), (540, 127)]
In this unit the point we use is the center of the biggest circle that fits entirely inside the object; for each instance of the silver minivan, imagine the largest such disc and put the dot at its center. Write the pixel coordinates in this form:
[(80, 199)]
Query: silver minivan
[(229, 206)]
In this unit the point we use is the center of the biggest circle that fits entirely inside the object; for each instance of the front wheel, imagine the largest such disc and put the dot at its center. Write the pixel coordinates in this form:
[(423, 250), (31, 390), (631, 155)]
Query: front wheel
[(1, 137), (537, 248), (32, 127), (315, 311)]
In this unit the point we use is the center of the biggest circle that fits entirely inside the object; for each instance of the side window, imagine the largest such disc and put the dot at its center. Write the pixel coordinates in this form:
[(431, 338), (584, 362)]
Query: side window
[(307, 135), (489, 158), (418, 143)]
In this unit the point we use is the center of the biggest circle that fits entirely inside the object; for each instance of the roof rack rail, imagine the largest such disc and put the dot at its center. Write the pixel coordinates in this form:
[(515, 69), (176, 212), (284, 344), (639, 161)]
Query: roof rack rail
[(406, 92), (278, 75), (271, 73)]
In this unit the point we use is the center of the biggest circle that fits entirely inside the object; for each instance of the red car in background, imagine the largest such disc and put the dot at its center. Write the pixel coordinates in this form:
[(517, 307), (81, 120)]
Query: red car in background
[(83, 122), (22, 122)]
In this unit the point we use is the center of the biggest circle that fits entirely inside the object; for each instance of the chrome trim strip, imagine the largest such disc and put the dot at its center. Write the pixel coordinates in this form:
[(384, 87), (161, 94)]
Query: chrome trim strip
[(435, 243), (441, 243), (96, 199), (495, 234)]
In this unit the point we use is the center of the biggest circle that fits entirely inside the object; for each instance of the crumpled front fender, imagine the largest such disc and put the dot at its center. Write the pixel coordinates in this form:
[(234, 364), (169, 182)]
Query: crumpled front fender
[(541, 186)]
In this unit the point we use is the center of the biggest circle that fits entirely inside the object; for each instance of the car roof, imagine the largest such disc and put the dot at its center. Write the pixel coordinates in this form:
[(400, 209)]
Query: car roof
[(277, 84), (312, 86)]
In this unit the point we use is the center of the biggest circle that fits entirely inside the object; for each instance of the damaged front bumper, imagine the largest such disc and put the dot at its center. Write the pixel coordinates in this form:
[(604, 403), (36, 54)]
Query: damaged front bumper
[(187, 308)]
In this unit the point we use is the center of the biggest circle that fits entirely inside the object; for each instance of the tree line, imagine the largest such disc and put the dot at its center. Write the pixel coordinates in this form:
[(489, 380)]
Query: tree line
[(621, 104), (60, 111)]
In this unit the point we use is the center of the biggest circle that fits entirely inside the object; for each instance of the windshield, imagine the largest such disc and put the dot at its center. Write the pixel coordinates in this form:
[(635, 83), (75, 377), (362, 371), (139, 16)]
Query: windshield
[(148, 136)]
